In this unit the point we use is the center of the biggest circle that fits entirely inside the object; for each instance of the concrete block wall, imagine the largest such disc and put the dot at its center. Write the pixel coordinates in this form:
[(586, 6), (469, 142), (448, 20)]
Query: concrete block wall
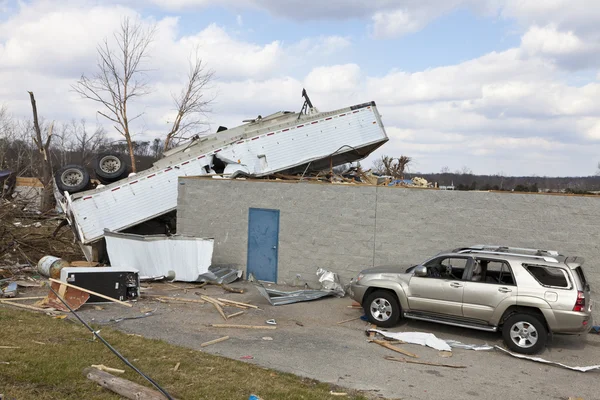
[(346, 228)]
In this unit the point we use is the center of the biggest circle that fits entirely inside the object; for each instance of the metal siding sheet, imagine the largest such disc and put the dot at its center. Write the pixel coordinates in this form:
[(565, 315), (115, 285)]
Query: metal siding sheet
[(182, 258)]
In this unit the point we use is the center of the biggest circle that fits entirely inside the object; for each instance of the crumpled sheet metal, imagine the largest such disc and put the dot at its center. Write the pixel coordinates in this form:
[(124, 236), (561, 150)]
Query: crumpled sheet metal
[(278, 297), (541, 360), (331, 281), (422, 338), (220, 276)]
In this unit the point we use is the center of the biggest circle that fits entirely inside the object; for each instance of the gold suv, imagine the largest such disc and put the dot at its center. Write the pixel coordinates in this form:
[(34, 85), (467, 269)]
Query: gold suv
[(525, 293)]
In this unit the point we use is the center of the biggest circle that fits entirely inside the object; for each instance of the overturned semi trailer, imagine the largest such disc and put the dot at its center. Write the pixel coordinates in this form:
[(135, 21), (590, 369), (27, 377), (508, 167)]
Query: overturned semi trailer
[(284, 142)]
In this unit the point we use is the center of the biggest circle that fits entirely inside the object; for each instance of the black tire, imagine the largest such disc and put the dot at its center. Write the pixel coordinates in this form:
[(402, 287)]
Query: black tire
[(382, 308), (72, 179), (110, 167), (524, 328)]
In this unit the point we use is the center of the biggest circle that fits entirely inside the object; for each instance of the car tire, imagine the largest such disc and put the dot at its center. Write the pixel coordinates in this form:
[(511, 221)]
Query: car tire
[(382, 308), (72, 179), (110, 167), (524, 333)]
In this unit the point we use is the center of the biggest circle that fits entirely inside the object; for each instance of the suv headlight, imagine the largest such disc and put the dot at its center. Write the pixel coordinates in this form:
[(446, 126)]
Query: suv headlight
[(359, 277)]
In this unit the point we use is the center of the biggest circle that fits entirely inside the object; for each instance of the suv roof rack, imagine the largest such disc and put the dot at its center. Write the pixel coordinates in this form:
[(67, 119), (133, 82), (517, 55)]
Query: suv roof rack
[(519, 250), (546, 255)]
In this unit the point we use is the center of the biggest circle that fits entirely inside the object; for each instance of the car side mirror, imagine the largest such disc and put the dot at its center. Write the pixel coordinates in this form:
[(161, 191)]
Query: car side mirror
[(421, 271)]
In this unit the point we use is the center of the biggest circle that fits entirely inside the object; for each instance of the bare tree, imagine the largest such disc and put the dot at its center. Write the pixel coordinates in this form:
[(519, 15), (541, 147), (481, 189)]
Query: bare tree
[(43, 144), (445, 170), (120, 77), (394, 167), (598, 171), (192, 103), (86, 142)]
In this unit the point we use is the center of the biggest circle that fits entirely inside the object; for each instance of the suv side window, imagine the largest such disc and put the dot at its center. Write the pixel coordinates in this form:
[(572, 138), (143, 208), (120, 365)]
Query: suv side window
[(549, 276), (447, 267), (493, 271)]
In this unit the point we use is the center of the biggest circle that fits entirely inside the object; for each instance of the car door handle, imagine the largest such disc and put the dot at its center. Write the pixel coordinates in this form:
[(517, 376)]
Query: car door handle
[(455, 285), (504, 290)]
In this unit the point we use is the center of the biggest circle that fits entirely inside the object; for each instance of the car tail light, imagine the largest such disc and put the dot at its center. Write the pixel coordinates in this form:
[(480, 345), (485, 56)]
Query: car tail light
[(580, 302)]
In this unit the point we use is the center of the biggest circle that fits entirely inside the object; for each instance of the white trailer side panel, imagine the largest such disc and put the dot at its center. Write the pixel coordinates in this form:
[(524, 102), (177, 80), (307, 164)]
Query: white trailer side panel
[(153, 193)]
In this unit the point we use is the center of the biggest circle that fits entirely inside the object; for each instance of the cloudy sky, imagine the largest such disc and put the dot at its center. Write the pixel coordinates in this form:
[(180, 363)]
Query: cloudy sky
[(509, 86)]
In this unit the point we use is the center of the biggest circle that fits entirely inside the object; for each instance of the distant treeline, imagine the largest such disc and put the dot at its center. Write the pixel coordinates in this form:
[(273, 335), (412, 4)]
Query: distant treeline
[(578, 185)]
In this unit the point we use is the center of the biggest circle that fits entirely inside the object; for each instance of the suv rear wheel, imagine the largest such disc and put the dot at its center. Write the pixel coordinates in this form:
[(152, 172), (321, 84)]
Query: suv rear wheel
[(524, 333), (382, 308)]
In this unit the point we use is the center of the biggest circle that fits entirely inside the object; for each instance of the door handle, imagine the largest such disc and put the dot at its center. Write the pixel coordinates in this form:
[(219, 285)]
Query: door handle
[(455, 285), (504, 290)]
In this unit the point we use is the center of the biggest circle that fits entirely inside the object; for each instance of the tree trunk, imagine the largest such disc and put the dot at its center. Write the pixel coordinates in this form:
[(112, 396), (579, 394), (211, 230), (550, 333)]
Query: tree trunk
[(46, 176), (125, 388), (131, 155)]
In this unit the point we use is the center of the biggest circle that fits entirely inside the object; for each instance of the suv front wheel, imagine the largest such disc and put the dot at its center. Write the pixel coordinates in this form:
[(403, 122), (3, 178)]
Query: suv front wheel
[(524, 333), (382, 308)]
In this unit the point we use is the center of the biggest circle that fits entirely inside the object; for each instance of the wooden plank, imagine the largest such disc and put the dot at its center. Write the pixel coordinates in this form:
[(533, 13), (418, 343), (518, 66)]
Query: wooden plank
[(404, 360), (394, 348), (219, 340), (25, 298), (165, 298), (220, 310), (91, 292), (104, 368), (235, 314), (238, 303), (211, 300), (25, 306), (84, 264), (9, 347), (125, 388), (243, 326)]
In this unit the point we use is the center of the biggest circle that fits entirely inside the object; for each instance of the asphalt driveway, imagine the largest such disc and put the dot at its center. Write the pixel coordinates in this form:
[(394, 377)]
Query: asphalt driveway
[(309, 342)]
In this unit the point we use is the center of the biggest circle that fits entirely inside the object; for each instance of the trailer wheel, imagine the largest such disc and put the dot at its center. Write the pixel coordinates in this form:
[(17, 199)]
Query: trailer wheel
[(72, 179), (110, 167)]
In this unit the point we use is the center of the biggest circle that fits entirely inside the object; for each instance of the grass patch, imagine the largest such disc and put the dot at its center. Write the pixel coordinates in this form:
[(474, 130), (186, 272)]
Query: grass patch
[(53, 370)]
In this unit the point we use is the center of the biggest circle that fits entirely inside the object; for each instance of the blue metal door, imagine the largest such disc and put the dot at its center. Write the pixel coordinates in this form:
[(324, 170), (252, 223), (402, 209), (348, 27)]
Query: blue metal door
[(263, 241)]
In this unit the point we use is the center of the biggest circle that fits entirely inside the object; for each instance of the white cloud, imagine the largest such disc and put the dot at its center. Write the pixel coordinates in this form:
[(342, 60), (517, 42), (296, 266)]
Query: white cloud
[(395, 23), (239, 20), (336, 78)]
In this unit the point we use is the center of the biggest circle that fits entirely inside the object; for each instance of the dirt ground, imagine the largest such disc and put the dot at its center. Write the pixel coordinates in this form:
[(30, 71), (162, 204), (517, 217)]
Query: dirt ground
[(309, 342)]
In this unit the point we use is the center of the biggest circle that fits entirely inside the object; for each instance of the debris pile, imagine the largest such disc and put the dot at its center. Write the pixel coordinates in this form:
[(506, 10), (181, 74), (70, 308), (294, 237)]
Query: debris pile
[(25, 237)]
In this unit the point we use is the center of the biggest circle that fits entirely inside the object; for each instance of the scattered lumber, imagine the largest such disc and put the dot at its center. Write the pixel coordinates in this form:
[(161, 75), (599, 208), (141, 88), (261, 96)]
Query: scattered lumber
[(104, 368), (220, 310), (32, 308), (243, 326), (123, 387), (212, 301), (219, 340), (24, 298), (176, 367), (238, 303), (165, 298), (394, 348), (232, 290), (9, 347), (91, 292), (404, 360), (235, 314)]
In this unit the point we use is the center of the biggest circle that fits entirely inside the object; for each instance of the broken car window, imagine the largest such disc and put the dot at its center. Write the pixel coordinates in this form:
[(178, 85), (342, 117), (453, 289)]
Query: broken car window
[(548, 276), (493, 271), (447, 267)]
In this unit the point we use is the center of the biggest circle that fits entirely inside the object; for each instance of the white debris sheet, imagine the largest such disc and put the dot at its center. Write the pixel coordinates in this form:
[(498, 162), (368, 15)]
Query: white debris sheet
[(541, 360), (422, 338), (178, 257), (477, 347)]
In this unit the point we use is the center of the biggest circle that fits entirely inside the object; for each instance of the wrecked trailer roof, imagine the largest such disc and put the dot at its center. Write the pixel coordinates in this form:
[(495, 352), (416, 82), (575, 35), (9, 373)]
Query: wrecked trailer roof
[(283, 142)]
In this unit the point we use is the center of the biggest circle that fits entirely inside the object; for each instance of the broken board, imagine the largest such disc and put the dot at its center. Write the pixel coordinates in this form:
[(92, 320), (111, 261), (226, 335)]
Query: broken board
[(75, 298)]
